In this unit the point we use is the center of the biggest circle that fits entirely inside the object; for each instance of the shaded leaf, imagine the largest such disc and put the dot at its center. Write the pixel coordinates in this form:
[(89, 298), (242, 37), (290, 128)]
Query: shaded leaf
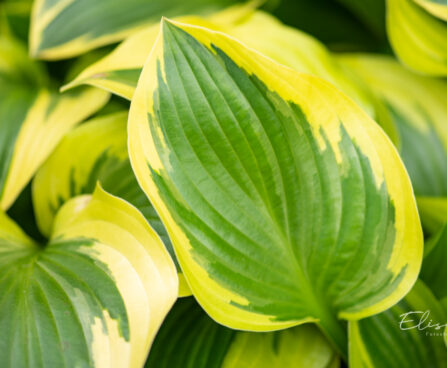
[(189, 338), (401, 337), (436, 7)]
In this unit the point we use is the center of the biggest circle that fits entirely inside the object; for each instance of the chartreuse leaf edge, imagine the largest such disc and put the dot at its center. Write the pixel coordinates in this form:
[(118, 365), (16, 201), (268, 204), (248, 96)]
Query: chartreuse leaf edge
[(244, 158), (95, 151), (95, 295)]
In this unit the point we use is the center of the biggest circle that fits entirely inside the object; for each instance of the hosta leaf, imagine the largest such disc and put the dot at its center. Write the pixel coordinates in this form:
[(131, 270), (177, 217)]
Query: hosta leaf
[(33, 118), (118, 72), (16, 68), (401, 337), (433, 212), (94, 296), (434, 267), (285, 203), (62, 29), (85, 155), (436, 7), (417, 106), (418, 38), (95, 151), (14, 17), (418, 110), (297, 50), (382, 340), (340, 24), (189, 338)]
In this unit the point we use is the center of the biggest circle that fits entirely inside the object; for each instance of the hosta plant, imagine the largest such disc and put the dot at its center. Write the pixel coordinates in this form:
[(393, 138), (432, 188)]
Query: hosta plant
[(221, 188)]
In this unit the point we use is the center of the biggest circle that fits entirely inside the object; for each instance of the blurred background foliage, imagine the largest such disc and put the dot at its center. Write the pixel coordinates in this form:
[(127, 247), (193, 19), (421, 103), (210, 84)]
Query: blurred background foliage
[(345, 27), (342, 25), (410, 106)]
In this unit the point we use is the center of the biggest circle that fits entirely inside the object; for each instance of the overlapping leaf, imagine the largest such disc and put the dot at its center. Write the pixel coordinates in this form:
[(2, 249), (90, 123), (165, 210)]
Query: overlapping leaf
[(340, 24), (285, 203), (95, 151), (417, 36), (412, 333), (62, 29), (434, 268), (297, 50), (33, 118), (433, 212), (409, 335), (189, 338), (14, 17), (94, 296), (417, 108), (118, 72), (436, 7)]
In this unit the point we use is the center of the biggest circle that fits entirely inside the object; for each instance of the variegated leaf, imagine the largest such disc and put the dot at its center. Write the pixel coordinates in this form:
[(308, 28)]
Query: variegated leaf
[(285, 203), (409, 335), (417, 36), (94, 152), (61, 29), (416, 107), (94, 296), (118, 72), (33, 117)]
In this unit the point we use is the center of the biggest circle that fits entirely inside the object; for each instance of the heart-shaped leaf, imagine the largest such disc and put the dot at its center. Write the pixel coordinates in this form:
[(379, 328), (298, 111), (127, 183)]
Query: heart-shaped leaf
[(285, 203)]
